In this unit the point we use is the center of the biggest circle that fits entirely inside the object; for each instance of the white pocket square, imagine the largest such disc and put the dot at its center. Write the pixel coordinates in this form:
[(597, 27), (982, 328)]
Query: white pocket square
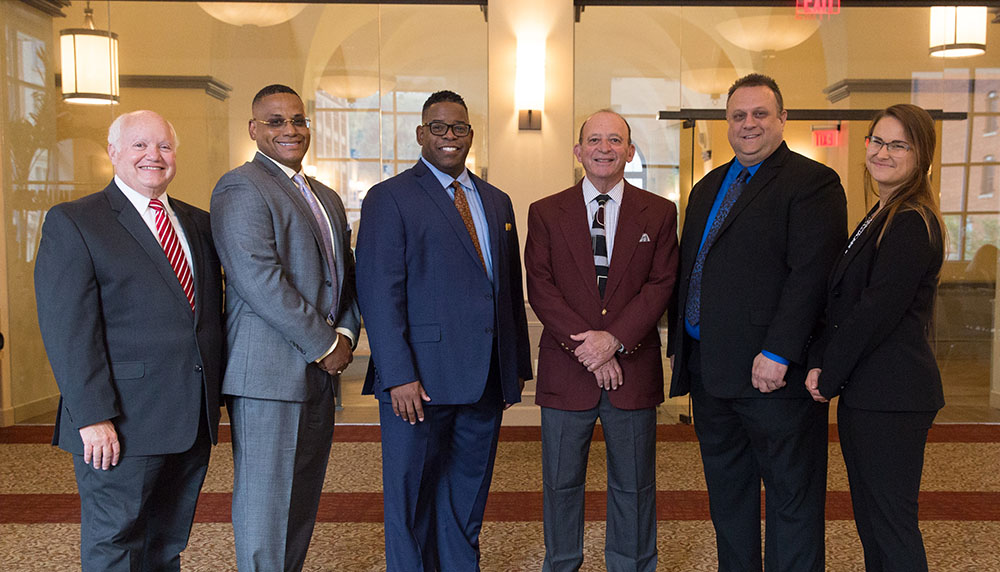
[(644, 238)]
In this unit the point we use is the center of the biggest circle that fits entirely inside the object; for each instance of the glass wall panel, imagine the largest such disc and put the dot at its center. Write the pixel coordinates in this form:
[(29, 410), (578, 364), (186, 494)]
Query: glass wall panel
[(362, 70), (679, 58)]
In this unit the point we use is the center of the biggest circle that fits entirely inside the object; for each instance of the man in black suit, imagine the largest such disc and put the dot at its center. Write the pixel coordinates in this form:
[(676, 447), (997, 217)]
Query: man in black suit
[(760, 236), (129, 294)]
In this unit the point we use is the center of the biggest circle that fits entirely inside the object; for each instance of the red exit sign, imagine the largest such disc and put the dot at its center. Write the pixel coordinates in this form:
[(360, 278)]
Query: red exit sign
[(826, 137), (817, 7)]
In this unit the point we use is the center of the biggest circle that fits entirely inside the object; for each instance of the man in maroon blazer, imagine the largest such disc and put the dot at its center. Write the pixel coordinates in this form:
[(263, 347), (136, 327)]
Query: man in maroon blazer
[(601, 260)]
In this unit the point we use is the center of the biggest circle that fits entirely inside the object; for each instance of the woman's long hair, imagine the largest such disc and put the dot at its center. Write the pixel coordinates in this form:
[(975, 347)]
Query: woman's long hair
[(915, 192)]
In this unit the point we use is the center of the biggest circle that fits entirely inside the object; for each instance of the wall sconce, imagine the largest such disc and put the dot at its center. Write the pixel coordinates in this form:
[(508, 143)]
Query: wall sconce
[(958, 31), (89, 63), (529, 84)]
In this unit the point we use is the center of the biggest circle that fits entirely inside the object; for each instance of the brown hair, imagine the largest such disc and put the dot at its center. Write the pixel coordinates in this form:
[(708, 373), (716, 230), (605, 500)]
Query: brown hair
[(757, 80), (915, 192)]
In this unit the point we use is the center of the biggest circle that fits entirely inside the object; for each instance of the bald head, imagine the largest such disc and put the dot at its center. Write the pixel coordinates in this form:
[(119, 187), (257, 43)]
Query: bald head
[(115, 130), (142, 147)]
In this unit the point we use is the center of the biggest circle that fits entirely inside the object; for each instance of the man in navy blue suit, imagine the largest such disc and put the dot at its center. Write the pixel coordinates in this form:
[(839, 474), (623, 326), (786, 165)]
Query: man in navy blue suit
[(439, 284)]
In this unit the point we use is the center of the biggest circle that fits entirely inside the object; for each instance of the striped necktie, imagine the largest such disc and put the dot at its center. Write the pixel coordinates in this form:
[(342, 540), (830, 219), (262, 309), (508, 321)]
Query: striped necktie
[(172, 248), (326, 233), (599, 240)]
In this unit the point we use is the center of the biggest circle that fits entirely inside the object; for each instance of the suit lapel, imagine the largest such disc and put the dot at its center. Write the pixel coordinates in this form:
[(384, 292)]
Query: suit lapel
[(129, 218), (193, 236), (439, 196), (576, 234), (283, 182), (490, 207), (767, 171), (697, 215), (845, 260), (338, 224), (627, 234)]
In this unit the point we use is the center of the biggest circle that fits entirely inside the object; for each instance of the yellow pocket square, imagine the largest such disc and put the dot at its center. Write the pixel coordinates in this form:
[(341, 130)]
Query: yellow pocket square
[(506, 226)]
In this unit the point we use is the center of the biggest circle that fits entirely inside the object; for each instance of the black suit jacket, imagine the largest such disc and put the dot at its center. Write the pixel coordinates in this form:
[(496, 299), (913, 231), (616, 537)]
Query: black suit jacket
[(120, 335), (874, 349), (764, 278)]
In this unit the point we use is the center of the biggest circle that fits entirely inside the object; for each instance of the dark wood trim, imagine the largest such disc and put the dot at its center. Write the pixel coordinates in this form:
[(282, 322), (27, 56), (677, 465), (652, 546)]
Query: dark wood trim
[(212, 86), (845, 87), (50, 7), (413, 2), (805, 114)]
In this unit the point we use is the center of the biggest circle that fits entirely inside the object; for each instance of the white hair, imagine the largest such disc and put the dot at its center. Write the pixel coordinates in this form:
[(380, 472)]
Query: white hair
[(115, 131)]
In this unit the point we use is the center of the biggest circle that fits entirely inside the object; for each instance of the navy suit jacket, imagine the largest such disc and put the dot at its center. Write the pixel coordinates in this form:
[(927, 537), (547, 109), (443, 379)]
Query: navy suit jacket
[(429, 308), (120, 335)]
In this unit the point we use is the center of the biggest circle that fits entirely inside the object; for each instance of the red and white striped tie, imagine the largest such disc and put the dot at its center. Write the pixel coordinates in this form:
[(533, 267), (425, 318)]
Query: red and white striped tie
[(172, 248)]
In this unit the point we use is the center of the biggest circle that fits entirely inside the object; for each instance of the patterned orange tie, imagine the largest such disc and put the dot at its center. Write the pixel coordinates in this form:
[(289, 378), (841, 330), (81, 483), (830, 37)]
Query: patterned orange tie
[(172, 248), (462, 204)]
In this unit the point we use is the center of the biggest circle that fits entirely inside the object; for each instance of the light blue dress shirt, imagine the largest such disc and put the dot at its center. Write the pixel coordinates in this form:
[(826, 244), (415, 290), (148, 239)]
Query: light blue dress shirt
[(475, 207)]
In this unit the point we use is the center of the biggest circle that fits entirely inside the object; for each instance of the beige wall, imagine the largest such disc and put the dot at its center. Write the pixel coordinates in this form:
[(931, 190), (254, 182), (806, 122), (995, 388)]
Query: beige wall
[(177, 38), (529, 165)]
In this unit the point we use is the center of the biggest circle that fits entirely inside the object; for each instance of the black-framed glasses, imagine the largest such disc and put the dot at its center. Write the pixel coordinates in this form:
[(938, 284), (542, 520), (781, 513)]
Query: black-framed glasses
[(895, 148), (296, 122), (440, 128)]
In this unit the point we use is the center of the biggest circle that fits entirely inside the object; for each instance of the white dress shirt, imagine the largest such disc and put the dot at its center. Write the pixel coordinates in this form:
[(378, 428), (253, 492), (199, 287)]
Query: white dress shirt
[(611, 208), (141, 204)]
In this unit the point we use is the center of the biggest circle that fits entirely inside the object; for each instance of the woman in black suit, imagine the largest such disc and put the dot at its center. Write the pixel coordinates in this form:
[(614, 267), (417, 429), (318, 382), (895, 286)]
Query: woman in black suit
[(874, 352)]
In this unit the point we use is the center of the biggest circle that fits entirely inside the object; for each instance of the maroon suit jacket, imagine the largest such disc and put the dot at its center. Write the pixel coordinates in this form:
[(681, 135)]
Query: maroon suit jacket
[(562, 290)]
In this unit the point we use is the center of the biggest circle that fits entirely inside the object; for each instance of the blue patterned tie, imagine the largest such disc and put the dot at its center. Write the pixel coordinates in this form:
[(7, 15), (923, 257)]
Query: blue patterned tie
[(692, 310), (599, 240), (325, 232)]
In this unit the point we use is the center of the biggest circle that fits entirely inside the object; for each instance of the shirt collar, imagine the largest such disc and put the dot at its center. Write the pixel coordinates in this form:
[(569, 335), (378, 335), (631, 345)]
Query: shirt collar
[(736, 167), (590, 191), (445, 179), (139, 200), (284, 169)]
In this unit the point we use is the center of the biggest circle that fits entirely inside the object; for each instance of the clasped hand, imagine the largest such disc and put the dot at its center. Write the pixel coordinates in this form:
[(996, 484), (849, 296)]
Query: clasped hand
[(337, 361), (597, 353)]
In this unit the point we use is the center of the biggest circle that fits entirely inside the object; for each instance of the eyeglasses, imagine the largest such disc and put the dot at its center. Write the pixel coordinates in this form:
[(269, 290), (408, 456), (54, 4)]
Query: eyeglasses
[(296, 122), (895, 148), (440, 128)]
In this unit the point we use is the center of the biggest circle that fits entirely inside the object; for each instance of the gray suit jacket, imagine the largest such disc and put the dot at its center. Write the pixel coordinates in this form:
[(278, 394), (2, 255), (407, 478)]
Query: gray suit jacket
[(279, 287)]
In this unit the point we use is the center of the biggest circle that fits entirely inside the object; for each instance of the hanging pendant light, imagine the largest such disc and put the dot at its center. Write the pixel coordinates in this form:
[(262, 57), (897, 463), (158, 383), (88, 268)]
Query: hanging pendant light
[(259, 14), (89, 63), (958, 31)]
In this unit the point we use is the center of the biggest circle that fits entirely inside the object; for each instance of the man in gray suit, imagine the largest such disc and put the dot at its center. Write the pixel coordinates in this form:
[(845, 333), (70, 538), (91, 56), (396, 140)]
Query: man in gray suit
[(129, 299), (291, 324)]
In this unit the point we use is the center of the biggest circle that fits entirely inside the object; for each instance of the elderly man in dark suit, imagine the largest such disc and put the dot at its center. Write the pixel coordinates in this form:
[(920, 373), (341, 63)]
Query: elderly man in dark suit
[(291, 323), (439, 281), (760, 236), (129, 295), (601, 260)]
